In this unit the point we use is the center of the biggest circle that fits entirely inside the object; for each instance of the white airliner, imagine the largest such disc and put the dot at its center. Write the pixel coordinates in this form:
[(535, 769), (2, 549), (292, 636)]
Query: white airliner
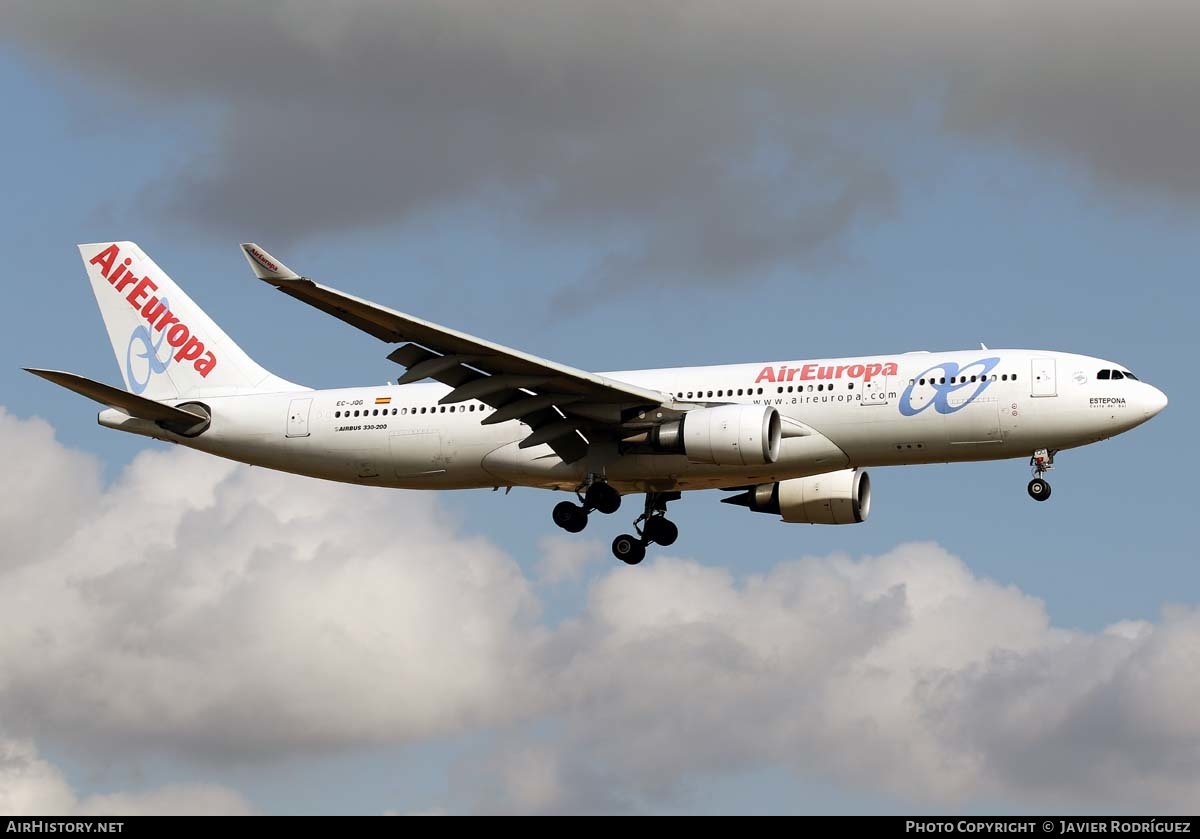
[(790, 438)]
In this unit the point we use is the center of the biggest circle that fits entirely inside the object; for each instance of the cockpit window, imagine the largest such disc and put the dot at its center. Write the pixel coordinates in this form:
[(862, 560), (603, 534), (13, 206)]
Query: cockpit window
[(1117, 374), (1104, 374), (1129, 375)]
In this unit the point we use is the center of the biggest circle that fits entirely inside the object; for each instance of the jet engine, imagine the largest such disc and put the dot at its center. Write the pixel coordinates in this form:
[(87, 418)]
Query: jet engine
[(842, 497), (728, 435)]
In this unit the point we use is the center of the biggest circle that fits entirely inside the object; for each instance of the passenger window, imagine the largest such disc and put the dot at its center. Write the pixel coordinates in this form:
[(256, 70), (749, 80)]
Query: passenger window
[(689, 396), (739, 391), (760, 391), (850, 386), (1014, 377), (922, 381)]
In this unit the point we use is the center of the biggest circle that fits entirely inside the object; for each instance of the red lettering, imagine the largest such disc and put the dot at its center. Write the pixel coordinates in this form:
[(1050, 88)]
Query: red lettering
[(792, 373), (153, 308), (841, 369), (105, 259), (808, 373), (145, 286), (120, 272), (205, 365), (855, 371), (126, 281), (177, 335), (890, 369), (767, 375), (825, 373), (190, 351), (873, 370), (167, 319)]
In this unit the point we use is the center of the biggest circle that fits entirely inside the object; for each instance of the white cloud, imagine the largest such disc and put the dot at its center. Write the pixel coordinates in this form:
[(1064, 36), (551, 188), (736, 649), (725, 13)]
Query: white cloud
[(203, 610), (231, 610), (31, 786), (564, 559), (903, 673)]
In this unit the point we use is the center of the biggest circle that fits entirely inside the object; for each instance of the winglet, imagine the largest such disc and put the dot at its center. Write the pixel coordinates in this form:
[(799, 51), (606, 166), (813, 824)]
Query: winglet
[(265, 266)]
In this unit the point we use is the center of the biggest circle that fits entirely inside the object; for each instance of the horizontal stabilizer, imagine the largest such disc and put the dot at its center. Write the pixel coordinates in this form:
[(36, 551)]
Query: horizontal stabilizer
[(173, 419)]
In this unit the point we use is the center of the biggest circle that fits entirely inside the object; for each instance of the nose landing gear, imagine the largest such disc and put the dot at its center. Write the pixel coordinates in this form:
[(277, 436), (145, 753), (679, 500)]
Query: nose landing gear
[(651, 526), (1042, 462)]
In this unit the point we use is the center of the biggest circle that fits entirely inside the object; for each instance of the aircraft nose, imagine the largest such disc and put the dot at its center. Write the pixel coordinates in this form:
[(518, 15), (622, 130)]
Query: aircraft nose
[(1156, 400)]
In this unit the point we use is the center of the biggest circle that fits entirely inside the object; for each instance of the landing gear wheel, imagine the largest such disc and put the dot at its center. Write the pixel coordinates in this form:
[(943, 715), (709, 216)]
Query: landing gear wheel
[(570, 516), (602, 497), (1039, 489), (629, 549), (661, 531)]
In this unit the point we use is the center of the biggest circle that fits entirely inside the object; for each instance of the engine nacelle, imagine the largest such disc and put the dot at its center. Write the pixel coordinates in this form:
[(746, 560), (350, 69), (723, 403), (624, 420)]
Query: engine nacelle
[(842, 497), (728, 435)]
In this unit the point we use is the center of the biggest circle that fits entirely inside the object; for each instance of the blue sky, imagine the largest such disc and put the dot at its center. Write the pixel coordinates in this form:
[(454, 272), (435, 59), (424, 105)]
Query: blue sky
[(984, 234)]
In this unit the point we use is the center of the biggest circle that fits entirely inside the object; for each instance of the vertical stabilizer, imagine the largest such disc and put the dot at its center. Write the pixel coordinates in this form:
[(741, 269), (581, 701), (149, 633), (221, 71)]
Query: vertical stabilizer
[(166, 346)]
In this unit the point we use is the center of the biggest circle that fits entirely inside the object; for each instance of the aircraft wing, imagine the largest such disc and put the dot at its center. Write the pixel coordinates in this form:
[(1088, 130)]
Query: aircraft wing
[(556, 401)]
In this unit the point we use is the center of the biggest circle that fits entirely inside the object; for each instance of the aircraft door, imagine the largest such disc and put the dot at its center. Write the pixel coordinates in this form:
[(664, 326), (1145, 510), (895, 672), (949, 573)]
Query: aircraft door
[(297, 421), (1042, 377)]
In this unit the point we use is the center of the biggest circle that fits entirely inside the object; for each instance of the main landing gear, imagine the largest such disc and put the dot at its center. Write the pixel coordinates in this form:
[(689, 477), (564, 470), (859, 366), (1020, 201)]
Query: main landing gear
[(598, 495), (651, 526), (1042, 462)]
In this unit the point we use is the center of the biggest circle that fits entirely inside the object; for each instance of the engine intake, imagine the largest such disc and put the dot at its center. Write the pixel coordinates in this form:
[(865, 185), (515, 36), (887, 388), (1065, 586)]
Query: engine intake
[(728, 435), (842, 497)]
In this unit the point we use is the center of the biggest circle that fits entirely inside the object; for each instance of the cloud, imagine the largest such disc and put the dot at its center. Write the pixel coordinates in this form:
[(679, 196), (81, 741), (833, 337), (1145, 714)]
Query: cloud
[(902, 673), (231, 616), (225, 611), (564, 559), (684, 145), (31, 786), (688, 144)]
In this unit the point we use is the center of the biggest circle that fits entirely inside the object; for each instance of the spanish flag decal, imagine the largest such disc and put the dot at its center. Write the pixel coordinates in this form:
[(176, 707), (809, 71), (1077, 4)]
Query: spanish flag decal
[(383, 400)]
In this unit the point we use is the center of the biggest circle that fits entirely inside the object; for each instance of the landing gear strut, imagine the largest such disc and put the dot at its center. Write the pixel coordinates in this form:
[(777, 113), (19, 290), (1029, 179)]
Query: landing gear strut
[(596, 494), (651, 526), (1042, 462)]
